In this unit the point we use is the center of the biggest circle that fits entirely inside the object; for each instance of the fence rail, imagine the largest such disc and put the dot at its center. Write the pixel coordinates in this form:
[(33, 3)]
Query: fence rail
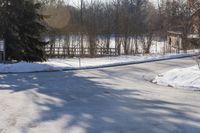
[(62, 52)]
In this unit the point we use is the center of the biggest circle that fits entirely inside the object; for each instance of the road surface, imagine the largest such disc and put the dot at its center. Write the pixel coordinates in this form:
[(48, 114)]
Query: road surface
[(110, 100)]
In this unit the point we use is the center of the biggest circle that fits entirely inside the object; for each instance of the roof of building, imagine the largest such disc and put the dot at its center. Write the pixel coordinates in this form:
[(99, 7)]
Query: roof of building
[(175, 32)]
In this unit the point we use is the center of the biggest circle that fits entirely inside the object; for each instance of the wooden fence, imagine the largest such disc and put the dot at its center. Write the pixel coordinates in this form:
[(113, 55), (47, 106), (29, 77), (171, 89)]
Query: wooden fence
[(63, 52)]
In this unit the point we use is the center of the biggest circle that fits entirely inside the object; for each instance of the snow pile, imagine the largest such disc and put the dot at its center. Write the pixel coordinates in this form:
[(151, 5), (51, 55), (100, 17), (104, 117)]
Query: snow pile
[(188, 78), (73, 63)]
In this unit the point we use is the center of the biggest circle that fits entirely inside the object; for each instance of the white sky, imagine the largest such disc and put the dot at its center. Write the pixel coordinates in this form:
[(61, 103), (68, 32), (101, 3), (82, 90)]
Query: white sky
[(76, 2)]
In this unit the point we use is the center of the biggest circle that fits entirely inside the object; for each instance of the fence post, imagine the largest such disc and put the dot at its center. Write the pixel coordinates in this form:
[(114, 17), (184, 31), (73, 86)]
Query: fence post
[(3, 50)]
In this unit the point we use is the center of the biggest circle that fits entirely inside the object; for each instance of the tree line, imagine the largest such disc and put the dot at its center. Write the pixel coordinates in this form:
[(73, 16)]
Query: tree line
[(125, 20), (132, 23)]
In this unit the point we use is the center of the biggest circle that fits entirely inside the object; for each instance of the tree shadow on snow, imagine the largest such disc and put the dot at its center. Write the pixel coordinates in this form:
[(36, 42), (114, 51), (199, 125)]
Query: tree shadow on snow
[(93, 107)]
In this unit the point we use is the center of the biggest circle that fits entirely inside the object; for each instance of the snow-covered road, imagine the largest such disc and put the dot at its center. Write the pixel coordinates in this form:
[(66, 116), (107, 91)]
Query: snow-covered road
[(110, 100)]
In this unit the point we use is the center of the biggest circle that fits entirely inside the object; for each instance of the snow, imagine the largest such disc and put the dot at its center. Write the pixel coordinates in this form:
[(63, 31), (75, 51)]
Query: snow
[(73, 63), (157, 47), (188, 78), (109, 100)]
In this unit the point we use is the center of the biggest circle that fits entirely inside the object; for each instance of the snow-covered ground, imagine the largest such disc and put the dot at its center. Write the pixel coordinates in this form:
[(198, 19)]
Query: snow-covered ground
[(109, 100), (188, 78), (73, 63)]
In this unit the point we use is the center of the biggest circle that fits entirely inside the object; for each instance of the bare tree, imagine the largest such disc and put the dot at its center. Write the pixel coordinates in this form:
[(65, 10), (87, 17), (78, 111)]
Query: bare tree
[(126, 20)]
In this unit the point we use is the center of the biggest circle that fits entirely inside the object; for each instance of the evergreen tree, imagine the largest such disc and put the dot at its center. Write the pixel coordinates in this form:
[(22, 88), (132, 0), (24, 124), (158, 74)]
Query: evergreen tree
[(21, 26)]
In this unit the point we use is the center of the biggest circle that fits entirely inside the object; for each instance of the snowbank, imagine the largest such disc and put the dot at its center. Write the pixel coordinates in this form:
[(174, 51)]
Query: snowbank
[(188, 78), (71, 64)]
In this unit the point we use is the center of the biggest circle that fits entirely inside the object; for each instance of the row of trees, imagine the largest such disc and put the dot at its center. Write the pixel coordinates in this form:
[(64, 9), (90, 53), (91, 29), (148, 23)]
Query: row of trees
[(129, 22), (126, 20)]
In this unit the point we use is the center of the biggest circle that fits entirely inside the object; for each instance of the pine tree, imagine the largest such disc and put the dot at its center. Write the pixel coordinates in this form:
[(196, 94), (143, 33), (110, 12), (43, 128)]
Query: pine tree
[(21, 26)]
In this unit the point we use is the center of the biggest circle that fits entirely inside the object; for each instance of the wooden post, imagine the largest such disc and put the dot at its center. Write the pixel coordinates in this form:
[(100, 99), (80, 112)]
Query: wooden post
[(3, 50)]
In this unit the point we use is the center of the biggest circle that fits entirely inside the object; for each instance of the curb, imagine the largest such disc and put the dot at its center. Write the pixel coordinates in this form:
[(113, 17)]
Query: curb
[(107, 66)]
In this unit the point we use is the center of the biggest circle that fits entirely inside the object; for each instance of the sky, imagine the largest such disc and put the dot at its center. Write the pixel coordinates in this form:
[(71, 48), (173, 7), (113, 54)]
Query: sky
[(77, 2)]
